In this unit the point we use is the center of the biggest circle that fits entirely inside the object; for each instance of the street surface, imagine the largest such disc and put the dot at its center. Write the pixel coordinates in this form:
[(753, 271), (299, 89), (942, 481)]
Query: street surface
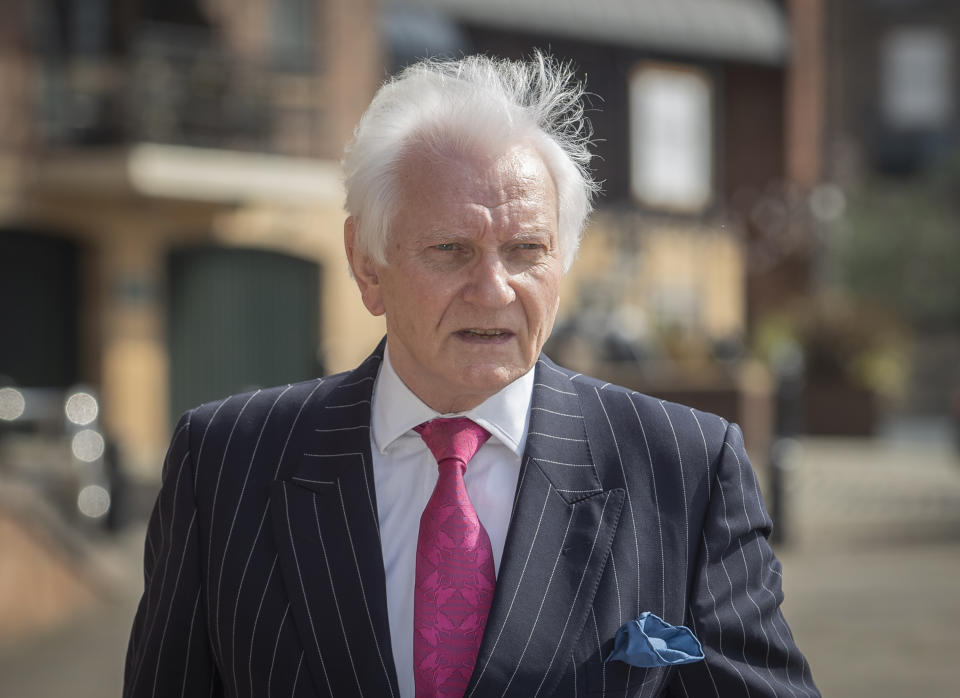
[(871, 576)]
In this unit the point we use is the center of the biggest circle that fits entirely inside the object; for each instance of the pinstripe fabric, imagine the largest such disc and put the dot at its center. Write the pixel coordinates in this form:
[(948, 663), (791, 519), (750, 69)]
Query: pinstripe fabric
[(264, 573)]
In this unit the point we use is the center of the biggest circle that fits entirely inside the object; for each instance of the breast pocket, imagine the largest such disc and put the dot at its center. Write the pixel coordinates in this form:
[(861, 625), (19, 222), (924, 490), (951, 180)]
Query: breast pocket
[(618, 678)]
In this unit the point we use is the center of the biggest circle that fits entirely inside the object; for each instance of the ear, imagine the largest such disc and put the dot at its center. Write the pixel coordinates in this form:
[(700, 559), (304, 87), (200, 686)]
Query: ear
[(365, 269)]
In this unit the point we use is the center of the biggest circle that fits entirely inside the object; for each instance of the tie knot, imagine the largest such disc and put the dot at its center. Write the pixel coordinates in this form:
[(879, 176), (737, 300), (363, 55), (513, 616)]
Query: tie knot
[(452, 437)]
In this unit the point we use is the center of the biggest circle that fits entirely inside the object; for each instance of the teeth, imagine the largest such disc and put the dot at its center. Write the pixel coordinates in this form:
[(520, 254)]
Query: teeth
[(486, 333)]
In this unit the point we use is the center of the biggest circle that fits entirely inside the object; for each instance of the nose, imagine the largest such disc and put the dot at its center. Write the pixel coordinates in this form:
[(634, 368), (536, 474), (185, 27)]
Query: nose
[(489, 283)]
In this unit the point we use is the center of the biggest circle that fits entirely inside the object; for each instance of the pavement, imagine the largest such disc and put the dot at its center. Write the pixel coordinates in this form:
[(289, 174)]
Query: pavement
[(871, 564), (83, 658)]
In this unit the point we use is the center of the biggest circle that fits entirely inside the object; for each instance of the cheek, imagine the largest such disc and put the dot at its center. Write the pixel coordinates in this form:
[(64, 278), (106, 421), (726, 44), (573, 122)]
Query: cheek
[(417, 306), (542, 303)]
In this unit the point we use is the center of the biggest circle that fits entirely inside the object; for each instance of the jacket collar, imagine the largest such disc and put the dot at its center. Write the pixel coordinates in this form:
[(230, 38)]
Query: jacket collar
[(328, 539), (561, 529)]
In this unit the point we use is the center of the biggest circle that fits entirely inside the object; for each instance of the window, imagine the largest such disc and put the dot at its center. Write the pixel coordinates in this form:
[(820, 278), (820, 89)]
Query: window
[(294, 35), (671, 139), (917, 78)]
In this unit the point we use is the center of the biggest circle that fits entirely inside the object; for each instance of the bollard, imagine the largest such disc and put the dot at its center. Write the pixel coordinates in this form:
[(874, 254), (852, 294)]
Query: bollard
[(788, 367)]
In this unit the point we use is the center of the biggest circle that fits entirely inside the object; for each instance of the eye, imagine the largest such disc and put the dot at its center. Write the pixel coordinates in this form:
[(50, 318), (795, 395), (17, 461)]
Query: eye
[(528, 248), (446, 246)]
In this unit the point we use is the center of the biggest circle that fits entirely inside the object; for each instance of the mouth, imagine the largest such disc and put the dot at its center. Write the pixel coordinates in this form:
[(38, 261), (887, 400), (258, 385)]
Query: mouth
[(485, 336)]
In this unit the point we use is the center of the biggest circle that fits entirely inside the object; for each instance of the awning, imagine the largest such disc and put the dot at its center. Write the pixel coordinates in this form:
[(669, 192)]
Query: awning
[(746, 30)]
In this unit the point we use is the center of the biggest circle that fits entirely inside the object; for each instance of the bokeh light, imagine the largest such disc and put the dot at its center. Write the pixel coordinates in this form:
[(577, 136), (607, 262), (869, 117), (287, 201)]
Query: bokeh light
[(12, 404), (87, 445), (827, 202), (93, 501), (81, 408)]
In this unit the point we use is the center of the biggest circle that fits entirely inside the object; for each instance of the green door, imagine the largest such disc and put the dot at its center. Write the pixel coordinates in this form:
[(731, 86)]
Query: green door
[(39, 310), (239, 319)]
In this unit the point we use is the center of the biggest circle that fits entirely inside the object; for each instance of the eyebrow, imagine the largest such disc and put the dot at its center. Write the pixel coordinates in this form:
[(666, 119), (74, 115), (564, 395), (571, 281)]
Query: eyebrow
[(536, 235)]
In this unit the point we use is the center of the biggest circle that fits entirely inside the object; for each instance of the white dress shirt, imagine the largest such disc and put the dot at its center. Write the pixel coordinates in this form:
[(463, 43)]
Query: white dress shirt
[(405, 473)]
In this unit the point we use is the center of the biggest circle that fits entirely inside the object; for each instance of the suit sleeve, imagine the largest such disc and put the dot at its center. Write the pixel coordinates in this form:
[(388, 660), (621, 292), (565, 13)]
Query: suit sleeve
[(169, 649), (736, 594)]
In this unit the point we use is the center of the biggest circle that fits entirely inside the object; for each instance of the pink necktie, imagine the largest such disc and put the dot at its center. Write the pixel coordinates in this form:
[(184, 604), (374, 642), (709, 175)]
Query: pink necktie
[(455, 575)]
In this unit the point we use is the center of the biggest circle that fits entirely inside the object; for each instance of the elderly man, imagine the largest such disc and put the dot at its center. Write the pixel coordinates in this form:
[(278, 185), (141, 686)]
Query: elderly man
[(459, 515)]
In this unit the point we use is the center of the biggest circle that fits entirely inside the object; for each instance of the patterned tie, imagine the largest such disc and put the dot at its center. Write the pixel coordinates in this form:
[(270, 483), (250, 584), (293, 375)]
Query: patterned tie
[(455, 575)]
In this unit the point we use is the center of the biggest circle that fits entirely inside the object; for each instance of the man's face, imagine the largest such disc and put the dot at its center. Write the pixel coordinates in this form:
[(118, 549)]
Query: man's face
[(471, 285)]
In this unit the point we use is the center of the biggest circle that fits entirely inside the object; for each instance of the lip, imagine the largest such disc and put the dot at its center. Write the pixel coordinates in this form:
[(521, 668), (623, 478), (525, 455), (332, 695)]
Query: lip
[(486, 336)]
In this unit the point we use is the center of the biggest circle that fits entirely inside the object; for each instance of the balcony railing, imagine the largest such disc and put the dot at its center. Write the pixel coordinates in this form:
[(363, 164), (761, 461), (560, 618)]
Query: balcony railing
[(182, 88)]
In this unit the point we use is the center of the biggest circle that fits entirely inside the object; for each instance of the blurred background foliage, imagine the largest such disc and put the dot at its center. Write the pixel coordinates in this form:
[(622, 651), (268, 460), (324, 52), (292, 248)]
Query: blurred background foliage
[(898, 246)]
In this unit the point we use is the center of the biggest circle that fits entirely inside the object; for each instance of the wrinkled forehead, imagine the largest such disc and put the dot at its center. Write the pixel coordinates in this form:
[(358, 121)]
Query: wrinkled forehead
[(512, 175)]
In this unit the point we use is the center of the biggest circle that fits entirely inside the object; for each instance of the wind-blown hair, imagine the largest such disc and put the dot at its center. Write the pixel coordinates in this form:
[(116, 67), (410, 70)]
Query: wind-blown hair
[(472, 106)]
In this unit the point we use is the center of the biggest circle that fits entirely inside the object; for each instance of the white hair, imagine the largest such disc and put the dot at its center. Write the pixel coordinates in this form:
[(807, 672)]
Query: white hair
[(474, 104)]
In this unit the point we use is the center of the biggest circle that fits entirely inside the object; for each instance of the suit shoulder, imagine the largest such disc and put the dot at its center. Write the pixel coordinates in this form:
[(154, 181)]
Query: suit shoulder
[(241, 410), (685, 421), (553, 372), (706, 421)]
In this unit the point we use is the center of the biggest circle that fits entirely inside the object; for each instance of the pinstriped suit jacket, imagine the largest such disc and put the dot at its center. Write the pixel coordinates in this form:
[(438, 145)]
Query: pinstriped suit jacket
[(264, 573)]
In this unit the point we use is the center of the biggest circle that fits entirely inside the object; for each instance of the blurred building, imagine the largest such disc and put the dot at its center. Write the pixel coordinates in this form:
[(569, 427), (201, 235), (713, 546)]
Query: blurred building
[(707, 117), (170, 200), (892, 149), (170, 203), (893, 86)]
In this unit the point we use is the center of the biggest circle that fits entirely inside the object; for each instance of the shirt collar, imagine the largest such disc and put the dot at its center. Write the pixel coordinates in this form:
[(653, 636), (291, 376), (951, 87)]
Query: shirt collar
[(396, 410)]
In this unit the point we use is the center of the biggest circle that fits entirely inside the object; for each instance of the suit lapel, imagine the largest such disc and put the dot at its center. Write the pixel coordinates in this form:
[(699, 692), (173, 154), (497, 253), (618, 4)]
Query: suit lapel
[(328, 538), (561, 529)]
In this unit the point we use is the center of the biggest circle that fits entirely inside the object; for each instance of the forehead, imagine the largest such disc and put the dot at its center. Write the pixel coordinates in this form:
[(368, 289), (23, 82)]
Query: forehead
[(515, 184)]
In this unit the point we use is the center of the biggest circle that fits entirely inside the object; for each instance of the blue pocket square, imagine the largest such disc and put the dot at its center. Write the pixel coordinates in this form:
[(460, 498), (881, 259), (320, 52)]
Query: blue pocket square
[(649, 641)]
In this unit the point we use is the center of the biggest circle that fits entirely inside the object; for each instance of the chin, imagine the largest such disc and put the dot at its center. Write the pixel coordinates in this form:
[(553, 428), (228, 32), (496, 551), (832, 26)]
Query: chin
[(490, 379)]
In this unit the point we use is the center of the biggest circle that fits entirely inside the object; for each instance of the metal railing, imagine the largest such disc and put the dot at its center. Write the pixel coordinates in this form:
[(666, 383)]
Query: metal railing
[(181, 87)]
